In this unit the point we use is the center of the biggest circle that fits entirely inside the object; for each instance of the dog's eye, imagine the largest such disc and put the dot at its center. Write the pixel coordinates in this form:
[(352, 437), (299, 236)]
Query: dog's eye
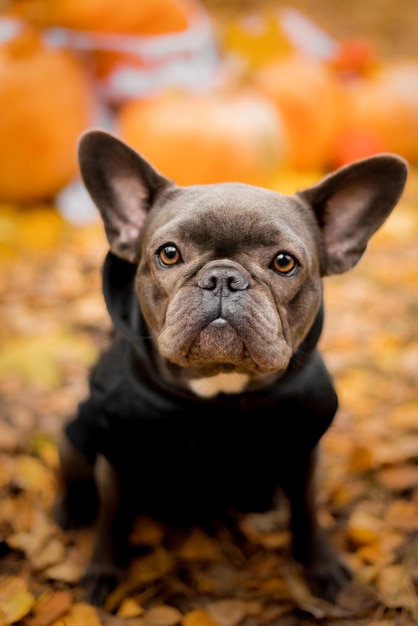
[(169, 255), (284, 263)]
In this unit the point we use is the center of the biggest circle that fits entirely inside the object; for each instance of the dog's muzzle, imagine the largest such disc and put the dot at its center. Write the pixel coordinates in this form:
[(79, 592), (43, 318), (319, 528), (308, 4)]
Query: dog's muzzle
[(223, 284)]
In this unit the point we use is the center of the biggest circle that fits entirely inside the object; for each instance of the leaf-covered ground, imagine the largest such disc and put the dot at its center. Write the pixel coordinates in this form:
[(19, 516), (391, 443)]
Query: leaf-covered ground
[(53, 322)]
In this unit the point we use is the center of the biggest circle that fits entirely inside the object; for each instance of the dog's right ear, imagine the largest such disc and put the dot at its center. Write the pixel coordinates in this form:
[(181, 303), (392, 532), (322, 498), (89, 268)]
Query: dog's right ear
[(122, 185)]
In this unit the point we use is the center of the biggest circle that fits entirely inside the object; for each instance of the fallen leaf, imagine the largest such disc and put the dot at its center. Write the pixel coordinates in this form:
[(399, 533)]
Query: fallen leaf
[(73, 567), (300, 594), (402, 515), (45, 448), (10, 438), (33, 477), (148, 568), (33, 541), (363, 528), (52, 553), (199, 547), (80, 614), (198, 618), (358, 599), (130, 608), (399, 478), (273, 612), (361, 458), (396, 588), (163, 615), (228, 612), (405, 415), (18, 514), (396, 450), (15, 600), (51, 608)]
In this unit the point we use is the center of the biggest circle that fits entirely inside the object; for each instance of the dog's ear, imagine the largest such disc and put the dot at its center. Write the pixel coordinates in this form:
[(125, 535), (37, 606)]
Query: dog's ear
[(122, 185), (352, 203)]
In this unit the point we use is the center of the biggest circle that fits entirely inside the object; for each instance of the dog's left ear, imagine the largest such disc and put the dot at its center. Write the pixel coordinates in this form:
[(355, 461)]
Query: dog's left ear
[(122, 185), (352, 203)]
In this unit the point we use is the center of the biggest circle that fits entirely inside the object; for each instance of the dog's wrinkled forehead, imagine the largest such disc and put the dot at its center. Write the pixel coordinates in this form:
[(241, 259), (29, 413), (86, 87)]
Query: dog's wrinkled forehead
[(229, 217)]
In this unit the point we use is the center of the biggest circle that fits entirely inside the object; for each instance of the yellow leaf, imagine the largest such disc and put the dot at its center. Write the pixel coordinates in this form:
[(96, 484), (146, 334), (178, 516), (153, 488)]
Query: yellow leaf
[(45, 447), (130, 608), (39, 359), (15, 600), (80, 614), (36, 479), (198, 618), (405, 415), (363, 528)]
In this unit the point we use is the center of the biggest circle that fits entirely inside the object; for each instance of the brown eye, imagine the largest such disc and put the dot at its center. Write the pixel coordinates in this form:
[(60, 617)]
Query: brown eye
[(169, 255), (284, 263)]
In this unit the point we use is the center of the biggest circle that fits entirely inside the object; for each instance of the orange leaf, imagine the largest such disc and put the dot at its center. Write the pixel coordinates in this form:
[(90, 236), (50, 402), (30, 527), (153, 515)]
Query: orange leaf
[(198, 618), (402, 515), (199, 547), (130, 608), (80, 614), (50, 609), (399, 478)]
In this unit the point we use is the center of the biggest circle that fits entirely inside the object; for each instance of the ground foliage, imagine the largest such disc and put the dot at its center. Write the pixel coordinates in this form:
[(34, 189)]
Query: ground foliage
[(53, 325)]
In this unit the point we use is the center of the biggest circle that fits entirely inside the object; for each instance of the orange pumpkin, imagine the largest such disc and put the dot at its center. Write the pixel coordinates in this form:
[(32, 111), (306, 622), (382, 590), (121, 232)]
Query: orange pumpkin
[(148, 17), (385, 110), (206, 138), (354, 56), (308, 97), (45, 105)]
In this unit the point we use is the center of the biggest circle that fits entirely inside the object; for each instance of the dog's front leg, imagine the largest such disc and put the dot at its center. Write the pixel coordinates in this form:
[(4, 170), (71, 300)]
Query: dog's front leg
[(110, 551), (325, 572)]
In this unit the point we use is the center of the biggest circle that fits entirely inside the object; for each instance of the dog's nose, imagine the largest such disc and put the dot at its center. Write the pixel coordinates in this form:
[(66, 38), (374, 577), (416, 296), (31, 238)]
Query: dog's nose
[(223, 278)]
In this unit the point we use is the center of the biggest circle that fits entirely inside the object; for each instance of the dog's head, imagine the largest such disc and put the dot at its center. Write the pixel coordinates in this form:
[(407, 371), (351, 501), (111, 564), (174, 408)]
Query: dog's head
[(229, 275)]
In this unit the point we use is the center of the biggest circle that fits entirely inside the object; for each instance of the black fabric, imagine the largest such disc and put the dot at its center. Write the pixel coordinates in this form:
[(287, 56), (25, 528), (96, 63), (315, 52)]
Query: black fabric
[(174, 448)]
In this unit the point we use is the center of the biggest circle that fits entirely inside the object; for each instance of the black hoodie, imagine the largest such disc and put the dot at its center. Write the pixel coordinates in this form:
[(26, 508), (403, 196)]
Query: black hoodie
[(173, 447)]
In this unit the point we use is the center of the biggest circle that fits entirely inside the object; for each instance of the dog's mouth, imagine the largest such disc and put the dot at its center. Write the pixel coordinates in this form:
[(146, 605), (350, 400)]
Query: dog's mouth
[(218, 342), (222, 347), (242, 332)]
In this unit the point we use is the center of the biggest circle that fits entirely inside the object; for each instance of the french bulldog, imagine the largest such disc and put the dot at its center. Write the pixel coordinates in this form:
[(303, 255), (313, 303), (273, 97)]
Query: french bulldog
[(212, 393)]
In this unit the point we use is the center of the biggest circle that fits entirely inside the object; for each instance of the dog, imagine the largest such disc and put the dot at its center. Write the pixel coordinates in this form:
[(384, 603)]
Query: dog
[(212, 393)]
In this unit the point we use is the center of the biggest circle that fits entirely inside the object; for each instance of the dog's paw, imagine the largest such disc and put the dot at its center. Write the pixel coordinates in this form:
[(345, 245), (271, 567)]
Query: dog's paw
[(99, 581), (77, 507), (327, 576)]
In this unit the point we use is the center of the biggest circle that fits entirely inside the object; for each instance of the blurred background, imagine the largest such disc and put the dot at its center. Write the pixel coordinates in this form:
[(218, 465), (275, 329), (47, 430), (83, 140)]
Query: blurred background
[(208, 92), (260, 91)]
